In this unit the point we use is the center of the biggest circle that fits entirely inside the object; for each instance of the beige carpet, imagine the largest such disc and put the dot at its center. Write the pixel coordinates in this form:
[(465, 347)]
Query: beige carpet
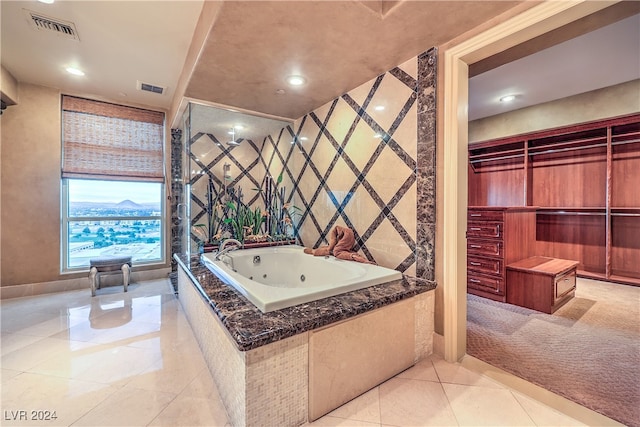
[(588, 351)]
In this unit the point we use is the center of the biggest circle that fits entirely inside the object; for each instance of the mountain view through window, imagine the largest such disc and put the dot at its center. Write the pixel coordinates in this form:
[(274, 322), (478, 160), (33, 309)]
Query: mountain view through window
[(113, 218)]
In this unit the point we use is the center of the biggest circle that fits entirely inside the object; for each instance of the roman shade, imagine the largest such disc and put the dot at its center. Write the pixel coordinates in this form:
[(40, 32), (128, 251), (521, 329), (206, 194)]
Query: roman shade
[(110, 141)]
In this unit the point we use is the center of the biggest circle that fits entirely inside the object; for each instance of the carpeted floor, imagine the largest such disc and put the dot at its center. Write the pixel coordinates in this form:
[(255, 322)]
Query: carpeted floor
[(588, 351)]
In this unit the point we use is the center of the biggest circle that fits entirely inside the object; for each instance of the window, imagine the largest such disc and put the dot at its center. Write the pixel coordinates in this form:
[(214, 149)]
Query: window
[(113, 183), (106, 218)]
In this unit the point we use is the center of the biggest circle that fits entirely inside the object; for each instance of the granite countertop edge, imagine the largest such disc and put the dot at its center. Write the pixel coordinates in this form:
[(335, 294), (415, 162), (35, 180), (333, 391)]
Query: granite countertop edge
[(250, 328)]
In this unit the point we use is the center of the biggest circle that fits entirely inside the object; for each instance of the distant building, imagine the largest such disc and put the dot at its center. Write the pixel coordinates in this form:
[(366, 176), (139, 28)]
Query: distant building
[(80, 246)]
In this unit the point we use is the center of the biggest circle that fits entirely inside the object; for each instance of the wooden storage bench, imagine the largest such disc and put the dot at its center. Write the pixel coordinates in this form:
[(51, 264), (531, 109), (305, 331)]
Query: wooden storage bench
[(541, 283)]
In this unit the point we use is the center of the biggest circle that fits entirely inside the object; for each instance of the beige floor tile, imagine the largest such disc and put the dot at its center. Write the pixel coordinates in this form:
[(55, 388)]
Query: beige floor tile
[(11, 342), (422, 370), (405, 402), (116, 365), (70, 399), (127, 407), (56, 324), (170, 373), (475, 406), (329, 421), (7, 374), (365, 407), (128, 333), (543, 415), (38, 352), (202, 386), (192, 411), (18, 317), (454, 373), (132, 359), (83, 331)]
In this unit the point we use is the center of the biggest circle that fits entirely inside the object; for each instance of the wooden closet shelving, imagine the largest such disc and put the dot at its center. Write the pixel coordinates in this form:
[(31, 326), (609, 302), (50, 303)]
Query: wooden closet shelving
[(585, 181)]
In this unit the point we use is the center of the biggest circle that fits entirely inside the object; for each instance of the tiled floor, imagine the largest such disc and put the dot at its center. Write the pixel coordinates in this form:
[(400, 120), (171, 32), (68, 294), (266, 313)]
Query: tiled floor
[(131, 359)]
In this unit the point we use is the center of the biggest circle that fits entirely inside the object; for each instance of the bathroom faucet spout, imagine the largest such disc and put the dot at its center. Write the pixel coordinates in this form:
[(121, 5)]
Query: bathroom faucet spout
[(236, 244)]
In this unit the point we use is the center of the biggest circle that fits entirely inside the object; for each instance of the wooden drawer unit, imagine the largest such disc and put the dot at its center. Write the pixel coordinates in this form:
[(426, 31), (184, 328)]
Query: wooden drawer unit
[(484, 265), (490, 248), (541, 283), (491, 285), (484, 230), (496, 236), (475, 214)]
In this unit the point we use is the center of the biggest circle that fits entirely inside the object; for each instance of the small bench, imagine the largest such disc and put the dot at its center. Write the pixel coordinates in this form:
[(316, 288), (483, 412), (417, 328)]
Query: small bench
[(108, 265)]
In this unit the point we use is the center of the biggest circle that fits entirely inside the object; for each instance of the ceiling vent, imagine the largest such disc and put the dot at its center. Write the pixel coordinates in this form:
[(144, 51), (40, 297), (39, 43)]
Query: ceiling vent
[(150, 88), (44, 23)]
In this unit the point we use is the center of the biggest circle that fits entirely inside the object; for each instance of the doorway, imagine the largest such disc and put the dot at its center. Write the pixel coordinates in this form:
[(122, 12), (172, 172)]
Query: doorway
[(454, 145)]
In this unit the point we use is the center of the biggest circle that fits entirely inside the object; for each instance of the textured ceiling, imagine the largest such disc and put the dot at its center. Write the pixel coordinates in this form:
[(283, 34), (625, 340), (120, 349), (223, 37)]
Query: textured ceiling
[(245, 56), (335, 45)]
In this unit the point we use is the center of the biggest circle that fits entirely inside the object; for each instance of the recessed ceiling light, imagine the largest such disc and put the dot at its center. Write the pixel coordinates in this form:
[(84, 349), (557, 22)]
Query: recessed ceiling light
[(238, 127), (379, 107), (296, 80), (508, 98), (46, 1), (75, 71)]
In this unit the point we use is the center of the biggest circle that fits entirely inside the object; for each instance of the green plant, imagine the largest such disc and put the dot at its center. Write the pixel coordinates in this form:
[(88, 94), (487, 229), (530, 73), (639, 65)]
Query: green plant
[(280, 214), (212, 230)]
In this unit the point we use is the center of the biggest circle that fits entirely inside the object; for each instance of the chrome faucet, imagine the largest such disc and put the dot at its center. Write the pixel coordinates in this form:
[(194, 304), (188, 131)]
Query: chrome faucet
[(224, 249)]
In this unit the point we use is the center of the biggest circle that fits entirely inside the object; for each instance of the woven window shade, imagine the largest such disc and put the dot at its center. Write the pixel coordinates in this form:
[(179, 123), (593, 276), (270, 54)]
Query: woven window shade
[(109, 141)]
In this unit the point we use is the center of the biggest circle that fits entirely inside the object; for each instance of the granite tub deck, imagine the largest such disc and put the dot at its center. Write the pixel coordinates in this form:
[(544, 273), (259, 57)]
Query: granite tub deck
[(296, 364)]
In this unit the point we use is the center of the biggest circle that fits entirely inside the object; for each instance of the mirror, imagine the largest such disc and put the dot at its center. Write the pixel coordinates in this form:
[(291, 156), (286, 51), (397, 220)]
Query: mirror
[(235, 161)]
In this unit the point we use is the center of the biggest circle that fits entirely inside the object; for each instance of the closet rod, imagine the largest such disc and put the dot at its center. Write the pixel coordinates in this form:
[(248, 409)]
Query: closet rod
[(624, 214), (567, 149), (570, 213), (496, 158), (631, 141)]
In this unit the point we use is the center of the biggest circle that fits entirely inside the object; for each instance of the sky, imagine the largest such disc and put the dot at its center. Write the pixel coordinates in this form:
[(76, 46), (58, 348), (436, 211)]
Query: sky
[(114, 191)]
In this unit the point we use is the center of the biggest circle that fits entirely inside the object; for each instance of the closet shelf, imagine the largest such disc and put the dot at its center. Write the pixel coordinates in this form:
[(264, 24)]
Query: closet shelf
[(575, 144), (572, 211), (582, 182)]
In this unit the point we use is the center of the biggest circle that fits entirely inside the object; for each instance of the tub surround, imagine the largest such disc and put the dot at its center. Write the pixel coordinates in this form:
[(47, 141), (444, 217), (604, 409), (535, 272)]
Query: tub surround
[(283, 368), (250, 328)]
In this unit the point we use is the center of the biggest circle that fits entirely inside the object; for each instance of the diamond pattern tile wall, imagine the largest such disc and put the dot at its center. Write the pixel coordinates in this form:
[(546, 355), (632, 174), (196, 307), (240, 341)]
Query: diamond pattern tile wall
[(365, 160), (358, 167)]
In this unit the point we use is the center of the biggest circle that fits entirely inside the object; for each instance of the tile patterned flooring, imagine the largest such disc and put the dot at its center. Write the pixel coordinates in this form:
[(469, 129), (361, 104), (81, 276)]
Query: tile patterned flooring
[(130, 359)]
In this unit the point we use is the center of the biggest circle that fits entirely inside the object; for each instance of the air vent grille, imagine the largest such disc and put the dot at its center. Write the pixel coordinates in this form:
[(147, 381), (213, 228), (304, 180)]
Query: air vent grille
[(150, 88), (58, 26)]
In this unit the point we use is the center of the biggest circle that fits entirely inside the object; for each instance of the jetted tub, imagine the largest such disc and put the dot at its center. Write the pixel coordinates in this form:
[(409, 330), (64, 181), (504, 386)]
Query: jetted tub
[(273, 278)]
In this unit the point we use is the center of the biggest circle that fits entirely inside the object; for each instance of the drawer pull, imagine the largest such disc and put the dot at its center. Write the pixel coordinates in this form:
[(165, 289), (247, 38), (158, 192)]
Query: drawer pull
[(475, 229), (475, 214), (475, 263), (475, 246), (475, 281)]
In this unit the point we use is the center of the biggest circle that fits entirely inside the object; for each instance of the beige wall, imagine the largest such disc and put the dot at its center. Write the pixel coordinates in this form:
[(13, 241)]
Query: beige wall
[(30, 192), (599, 104), (8, 87), (30, 187)]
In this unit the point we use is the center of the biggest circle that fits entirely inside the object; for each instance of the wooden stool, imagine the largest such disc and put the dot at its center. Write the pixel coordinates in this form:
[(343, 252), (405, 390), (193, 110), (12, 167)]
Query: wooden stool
[(108, 265)]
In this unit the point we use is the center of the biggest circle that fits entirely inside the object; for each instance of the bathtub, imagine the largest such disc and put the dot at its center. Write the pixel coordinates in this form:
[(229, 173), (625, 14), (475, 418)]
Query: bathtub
[(278, 277)]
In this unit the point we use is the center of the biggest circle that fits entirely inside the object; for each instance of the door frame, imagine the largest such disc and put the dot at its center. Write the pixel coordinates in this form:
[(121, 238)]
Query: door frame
[(453, 142)]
